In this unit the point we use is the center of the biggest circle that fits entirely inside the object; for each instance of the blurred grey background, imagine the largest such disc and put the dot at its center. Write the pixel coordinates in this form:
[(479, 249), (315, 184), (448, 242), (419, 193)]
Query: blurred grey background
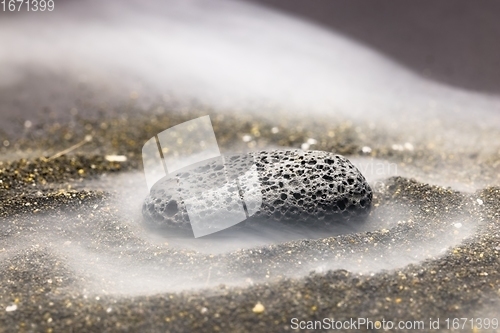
[(91, 58), (456, 42)]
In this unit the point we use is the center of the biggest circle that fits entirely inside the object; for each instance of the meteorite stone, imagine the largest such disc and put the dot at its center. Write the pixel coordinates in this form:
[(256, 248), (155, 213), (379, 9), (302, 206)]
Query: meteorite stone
[(289, 186)]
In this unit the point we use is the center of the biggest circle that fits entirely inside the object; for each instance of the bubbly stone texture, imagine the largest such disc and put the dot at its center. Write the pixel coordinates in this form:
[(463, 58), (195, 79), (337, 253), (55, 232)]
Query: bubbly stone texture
[(298, 187)]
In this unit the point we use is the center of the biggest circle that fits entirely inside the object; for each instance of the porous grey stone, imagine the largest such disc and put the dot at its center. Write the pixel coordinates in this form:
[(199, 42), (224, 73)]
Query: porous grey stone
[(297, 187)]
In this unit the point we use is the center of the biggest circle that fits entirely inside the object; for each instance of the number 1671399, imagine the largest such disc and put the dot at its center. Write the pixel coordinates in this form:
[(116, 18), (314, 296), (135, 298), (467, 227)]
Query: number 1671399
[(27, 5)]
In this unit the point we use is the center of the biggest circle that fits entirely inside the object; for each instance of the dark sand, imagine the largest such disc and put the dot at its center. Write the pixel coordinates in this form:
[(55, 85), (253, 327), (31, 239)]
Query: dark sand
[(52, 210)]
